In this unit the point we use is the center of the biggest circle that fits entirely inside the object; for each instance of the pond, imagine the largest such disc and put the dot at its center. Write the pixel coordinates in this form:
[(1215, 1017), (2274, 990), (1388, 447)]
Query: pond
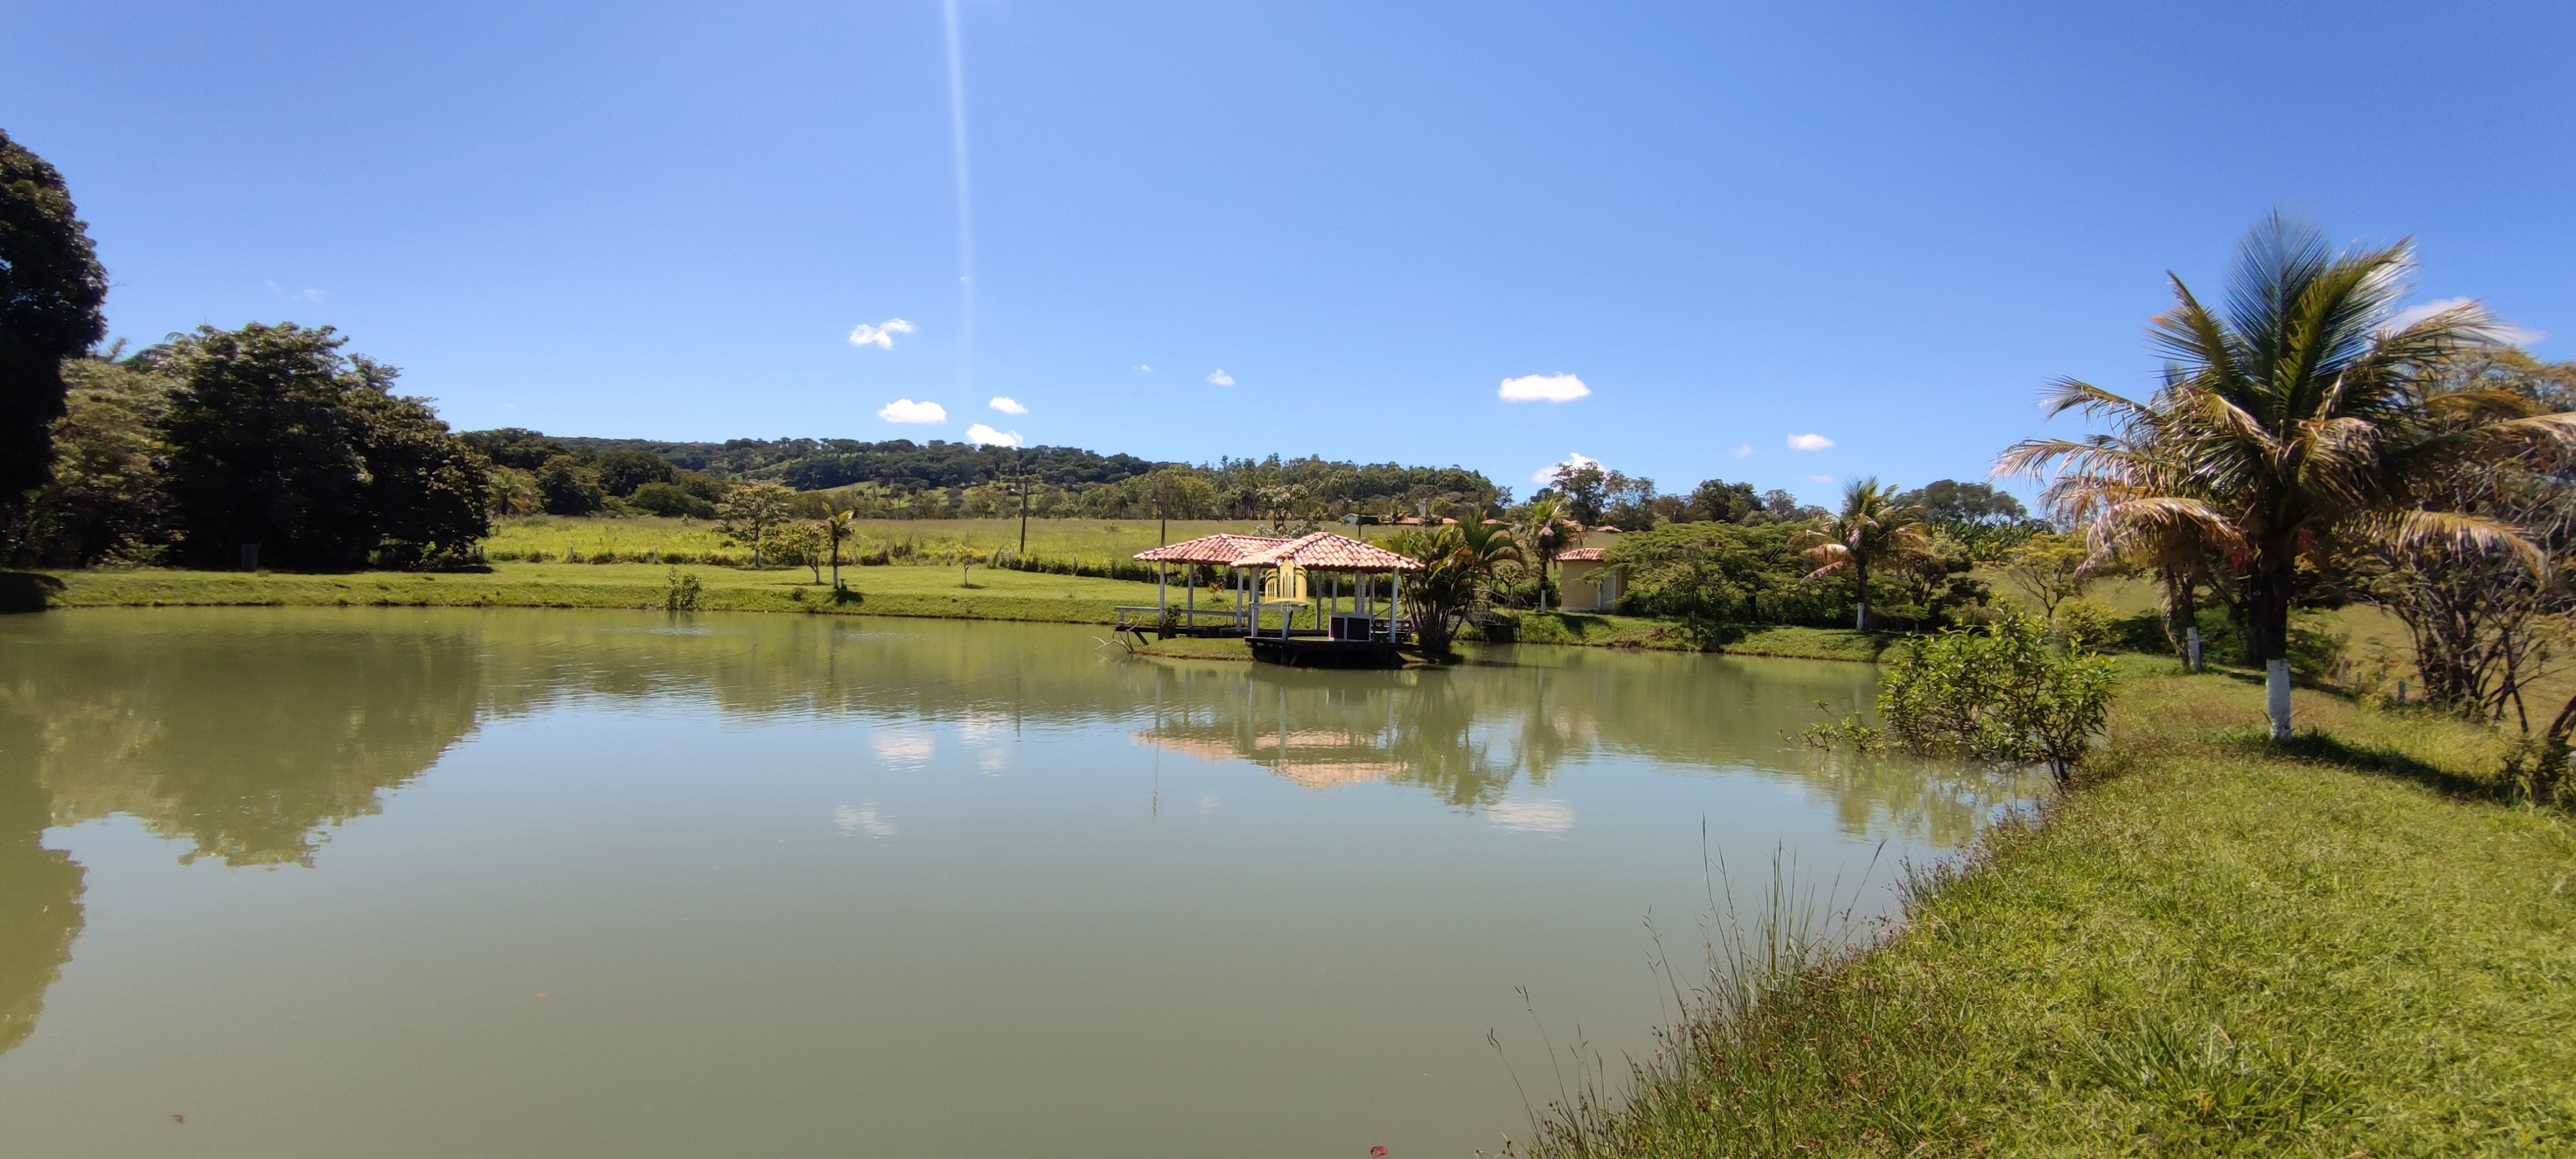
[(285, 882)]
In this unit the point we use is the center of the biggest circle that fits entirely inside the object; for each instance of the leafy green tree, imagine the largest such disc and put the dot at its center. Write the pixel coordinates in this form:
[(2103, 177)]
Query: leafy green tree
[(428, 494), (751, 510), (1951, 501), (2050, 569), (277, 439), (1581, 489), (1438, 597), (515, 447), (1719, 501), (673, 500), (51, 291), (836, 527), (621, 472), (264, 446), (566, 487), (2294, 420), (1873, 530), (105, 498), (2003, 692)]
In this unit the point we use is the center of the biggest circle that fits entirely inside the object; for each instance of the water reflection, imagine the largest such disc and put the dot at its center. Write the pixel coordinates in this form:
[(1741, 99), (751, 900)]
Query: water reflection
[(245, 736)]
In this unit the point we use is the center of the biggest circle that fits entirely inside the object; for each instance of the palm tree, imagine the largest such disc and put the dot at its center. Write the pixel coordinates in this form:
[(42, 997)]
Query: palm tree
[(1872, 529), (2298, 416), (836, 527), (1544, 532)]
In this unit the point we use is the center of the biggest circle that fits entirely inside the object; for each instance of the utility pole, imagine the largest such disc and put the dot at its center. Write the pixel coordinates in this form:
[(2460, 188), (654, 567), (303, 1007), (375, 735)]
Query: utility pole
[(1019, 459)]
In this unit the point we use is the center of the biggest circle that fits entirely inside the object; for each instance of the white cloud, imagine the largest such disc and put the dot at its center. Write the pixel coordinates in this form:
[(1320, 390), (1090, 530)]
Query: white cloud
[(880, 335), (1147, 369), (984, 436), (1531, 816), (902, 748), (1008, 405), (1221, 378), (904, 410), (1547, 474), (1809, 442), (2509, 335), (852, 821), (1822, 478), (1543, 388), (1744, 450)]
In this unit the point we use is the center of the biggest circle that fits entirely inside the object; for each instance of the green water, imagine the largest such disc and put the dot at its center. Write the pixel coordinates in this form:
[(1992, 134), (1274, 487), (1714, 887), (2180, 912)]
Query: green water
[(280, 882)]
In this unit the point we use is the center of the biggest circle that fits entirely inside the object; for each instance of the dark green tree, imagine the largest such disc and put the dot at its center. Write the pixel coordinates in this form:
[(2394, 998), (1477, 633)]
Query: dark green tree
[(429, 495), (263, 447), (568, 487), (51, 289), (1719, 501), (276, 439), (621, 472)]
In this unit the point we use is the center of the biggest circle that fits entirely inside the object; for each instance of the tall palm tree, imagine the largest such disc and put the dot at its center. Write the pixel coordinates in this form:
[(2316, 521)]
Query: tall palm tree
[(836, 527), (1545, 531), (1872, 529), (2297, 416)]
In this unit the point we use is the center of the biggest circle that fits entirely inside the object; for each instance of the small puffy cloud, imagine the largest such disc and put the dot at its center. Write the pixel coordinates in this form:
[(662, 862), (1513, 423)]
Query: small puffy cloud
[(1147, 369), (904, 410), (1809, 442), (880, 335), (1543, 388), (984, 436), (2509, 335), (1822, 478), (1743, 450), (1577, 459), (1007, 405), (1220, 377)]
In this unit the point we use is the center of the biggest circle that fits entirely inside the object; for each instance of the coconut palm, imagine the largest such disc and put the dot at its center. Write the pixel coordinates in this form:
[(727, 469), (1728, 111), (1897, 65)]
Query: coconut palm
[(1545, 531), (1873, 529), (2298, 416), (836, 527)]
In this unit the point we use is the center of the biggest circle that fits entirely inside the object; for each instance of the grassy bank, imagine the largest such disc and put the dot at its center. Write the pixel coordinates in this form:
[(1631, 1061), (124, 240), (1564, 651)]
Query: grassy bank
[(889, 591), (996, 594), (2357, 946)]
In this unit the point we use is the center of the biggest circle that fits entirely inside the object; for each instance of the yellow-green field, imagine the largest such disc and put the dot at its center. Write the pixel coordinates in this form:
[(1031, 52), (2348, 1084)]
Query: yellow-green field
[(547, 538)]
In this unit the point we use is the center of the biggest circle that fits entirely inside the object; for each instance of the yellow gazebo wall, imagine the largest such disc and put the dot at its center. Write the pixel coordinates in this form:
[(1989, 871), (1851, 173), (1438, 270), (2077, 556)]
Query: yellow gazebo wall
[(1588, 585)]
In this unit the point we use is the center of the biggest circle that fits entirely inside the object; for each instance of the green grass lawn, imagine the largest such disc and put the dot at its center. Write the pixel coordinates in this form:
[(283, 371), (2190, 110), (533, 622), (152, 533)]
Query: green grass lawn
[(2358, 945), (894, 591)]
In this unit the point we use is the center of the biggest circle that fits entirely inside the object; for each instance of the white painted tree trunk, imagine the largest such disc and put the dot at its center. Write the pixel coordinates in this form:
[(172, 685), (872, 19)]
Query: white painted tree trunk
[(2192, 634), (2276, 692)]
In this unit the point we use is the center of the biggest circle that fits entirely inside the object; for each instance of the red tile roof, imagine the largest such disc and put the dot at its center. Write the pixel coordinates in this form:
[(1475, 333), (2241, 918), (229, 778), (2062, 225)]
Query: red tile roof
[(1579, 555), (1325, 551), (1216, 549)]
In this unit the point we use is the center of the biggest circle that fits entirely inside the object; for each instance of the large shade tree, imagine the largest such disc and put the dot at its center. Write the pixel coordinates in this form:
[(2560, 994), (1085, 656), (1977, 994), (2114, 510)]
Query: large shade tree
[(278, 440), (2297, 416), (51, 289)]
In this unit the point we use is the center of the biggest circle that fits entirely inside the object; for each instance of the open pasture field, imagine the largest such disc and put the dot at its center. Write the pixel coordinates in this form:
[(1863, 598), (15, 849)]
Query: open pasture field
[(548, 538)]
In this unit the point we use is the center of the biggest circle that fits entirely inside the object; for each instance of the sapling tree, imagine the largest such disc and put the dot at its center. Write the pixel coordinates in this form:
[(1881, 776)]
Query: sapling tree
[(2001, 692)]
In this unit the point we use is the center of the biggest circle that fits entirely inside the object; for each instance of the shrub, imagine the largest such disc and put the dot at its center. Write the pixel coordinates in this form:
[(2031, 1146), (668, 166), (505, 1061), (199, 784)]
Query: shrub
[(2000, 692)]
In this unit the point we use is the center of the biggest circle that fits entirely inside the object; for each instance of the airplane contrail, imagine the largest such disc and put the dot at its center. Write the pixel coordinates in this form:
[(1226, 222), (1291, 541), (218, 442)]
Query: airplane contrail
[(965, 199)]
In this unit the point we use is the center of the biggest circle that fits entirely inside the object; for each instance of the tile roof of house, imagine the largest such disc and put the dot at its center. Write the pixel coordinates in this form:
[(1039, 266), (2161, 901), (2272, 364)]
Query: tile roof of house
[(1579, 555), (1325, 551), (1216, 549)]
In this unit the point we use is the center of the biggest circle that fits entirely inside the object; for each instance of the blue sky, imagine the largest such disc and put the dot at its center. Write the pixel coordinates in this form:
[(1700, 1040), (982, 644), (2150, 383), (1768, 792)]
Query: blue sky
[(1883, 224)]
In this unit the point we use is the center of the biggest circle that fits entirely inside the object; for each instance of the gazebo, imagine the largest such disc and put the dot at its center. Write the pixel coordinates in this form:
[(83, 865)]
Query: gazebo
[(1205, 551), (1365, 633)]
